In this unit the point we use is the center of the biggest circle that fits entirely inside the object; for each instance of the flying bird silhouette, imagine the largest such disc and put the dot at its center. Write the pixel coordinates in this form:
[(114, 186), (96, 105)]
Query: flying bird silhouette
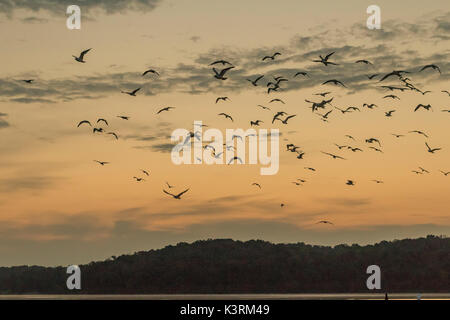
[(325, 61), (277, 100), (333, 155), (430, 150), (150, 71), (426, 107), (101, 162), (419, 132), (226, 116), (325, 222), (256, 184), (221, 75), (432, 66), (81, 56), (255, 82), (176, 196), (165, 109), (271, 57), (84, 121), (223, 62), (113, 134), (132, 93), (99, 120), (334, 81), (222, 98), (363, 61)]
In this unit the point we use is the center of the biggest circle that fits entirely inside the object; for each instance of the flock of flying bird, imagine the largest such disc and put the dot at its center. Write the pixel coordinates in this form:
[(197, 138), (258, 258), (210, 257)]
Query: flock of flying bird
[(274, 85)]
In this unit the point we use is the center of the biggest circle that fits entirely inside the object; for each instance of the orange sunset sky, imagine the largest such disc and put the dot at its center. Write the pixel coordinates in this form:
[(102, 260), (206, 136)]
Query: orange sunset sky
[(59, 207)]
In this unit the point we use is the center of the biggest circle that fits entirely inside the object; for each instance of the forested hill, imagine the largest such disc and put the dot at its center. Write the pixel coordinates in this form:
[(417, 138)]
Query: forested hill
[(228, 266)]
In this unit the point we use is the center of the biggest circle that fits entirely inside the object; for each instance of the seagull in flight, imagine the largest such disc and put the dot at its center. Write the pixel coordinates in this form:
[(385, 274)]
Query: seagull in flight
[(377, 181), (221, 75), (165, 109), (222, 98), (333, 155), (263, 107), (323, 94), (419, 132), (432, 66), (106, 122), (325, 222), (372, 76), (397, 73), (301, 73), (169, 186), (145, 172), (325, 61), (432, 150), (445, 173), (132, 93), (376, 149), (256, 184), (28, 80), (176, 196), (255, 123), (101, 162), (363, 61), (372, 140), (84, 121), (150, 71), (397, 135), (271, 57), (123, 117), (113, 134), (350, 182), (391, 96), (426, 107), (287, 118), (255, 82), (276, 100), (336, 82), (223, 62), (226, 116), (389, 113), (138, 179), (81, 57), (235, 158), (280, 113)]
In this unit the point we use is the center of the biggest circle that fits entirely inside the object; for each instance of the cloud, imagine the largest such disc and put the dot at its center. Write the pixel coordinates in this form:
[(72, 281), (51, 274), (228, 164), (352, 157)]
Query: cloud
[(26, 183), (34, 20), (83, 238), (347, 202), (57, 6), (3, 123), (197, 78)]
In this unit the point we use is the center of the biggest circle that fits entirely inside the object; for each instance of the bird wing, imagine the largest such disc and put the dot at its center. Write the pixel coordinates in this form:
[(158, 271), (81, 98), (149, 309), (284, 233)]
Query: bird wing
[(84, 121), (222, 73), (84, 52), (168, 193), (181, 193), (328, 55)]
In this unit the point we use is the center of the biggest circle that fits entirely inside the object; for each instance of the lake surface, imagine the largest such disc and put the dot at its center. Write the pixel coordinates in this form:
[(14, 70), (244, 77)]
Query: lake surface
[(356, 296)]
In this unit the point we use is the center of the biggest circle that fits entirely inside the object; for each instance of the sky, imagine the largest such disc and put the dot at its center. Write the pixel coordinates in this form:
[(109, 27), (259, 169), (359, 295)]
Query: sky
[(59, 207)]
